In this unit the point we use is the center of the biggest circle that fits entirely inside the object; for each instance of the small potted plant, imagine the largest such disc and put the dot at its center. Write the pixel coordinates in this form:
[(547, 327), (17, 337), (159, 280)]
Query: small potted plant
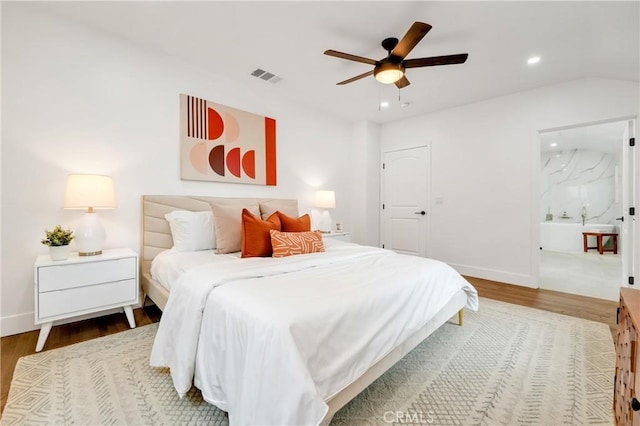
[(58, 240)]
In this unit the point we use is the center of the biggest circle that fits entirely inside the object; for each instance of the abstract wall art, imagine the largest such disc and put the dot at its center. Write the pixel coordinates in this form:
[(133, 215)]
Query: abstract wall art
[(223, 144)]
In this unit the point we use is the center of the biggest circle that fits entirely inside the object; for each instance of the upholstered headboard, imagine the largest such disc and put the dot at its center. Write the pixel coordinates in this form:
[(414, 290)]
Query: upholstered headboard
[(156, 234)]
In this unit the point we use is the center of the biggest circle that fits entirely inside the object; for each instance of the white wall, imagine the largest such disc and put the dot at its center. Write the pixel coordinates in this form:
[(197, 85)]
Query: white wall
[(485, 166), (76, 101), (366, 198)]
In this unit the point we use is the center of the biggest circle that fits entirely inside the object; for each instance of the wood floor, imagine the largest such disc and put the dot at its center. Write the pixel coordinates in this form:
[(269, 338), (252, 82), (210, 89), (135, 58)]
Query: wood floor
[(14, 347), (588, 308)]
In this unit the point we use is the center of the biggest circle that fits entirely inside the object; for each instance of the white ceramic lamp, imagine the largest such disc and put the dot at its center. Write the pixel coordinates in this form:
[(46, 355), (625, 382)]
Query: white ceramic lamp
[(90, 192), (325, 200)]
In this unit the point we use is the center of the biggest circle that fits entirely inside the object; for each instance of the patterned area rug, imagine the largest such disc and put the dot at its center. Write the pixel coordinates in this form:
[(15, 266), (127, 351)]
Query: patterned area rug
[(507, 365)]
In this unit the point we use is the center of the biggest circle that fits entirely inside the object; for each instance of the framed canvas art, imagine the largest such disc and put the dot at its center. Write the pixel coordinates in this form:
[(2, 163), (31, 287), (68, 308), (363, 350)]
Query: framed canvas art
[(223, 144)]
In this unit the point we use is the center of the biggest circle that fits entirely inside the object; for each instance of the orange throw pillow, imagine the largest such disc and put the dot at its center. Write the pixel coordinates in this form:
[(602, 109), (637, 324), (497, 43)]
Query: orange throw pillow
[(292, 243), (256, 240), (291, 224)]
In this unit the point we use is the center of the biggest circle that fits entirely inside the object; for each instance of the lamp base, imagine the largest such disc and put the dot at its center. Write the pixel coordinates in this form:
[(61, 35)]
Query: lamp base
[(91, 253), (325, 222), (90, 235)]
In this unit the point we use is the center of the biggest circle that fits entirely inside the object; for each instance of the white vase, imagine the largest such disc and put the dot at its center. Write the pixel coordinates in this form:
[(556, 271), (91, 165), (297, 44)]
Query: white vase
[(59, 252)]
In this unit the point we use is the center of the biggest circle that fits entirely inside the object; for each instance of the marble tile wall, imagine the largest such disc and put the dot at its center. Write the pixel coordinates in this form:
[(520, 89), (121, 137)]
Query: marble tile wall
[(573, 179)]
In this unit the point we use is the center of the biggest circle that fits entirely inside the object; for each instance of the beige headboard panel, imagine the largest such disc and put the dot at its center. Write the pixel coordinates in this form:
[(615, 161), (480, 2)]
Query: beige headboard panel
[(156, 234)]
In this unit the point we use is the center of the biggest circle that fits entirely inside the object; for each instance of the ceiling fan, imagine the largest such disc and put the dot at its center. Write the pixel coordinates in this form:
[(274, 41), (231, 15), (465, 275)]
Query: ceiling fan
[(392, 68)]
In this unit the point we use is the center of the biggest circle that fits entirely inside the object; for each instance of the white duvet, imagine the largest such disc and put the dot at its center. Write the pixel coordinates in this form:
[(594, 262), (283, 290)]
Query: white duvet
[(270, 340)]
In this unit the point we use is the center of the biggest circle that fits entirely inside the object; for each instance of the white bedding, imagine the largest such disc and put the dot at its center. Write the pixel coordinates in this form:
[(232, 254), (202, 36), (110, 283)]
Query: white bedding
[(169, 265), (270, 340)]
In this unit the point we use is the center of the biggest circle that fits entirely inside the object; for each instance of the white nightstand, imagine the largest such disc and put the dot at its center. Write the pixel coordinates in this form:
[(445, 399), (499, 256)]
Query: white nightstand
[(342, 236), (83, 285)]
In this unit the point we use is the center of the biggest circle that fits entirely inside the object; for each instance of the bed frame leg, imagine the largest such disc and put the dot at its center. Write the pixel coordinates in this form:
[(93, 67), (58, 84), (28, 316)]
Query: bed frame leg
[(326, 420), (460, 317)]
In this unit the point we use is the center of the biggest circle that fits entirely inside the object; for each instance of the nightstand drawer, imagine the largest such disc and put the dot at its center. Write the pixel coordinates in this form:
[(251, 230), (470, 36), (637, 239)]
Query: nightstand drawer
[(51, 278), (87, 298), (340, 236)]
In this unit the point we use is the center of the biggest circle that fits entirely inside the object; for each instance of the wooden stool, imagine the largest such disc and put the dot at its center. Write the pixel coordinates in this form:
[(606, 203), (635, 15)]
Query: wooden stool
[(599, 246)]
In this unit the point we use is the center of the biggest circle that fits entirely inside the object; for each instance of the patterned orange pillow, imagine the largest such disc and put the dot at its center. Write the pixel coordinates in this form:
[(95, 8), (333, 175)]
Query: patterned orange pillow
[(291, 243), (291, 224), (255, 237)]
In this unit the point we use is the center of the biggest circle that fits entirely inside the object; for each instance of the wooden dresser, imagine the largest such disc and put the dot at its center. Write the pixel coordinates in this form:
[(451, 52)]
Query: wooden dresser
[(626, 398)]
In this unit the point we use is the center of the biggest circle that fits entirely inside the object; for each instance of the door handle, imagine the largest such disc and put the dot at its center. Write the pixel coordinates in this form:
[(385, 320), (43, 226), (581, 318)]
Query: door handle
[(420, 212), (621, 218)]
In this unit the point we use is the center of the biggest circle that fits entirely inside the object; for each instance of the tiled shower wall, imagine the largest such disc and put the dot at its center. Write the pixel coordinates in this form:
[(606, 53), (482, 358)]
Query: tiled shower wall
[(573, 179)]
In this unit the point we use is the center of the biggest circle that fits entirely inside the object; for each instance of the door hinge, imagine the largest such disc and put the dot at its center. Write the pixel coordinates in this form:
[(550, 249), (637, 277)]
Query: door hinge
[(632, 141), (383, 246), (382, 206), (632, 211), (631, 280), (383, 165)]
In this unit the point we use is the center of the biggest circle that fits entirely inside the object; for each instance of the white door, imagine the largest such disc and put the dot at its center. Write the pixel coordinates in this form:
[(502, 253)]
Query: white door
[(405, 183), (630, 230)]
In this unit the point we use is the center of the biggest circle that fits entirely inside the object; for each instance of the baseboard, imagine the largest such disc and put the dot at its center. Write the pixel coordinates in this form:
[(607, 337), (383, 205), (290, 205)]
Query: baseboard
[(495, 275), (22, 323), (16, 324)]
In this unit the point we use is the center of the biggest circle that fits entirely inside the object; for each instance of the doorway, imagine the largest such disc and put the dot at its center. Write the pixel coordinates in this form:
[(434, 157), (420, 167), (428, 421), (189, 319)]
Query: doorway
[(585, 174), (405, 197)]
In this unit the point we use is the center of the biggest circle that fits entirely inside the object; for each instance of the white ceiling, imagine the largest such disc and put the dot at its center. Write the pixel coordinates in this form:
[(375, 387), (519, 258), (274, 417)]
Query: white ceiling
[(575, 39), (604, 137)]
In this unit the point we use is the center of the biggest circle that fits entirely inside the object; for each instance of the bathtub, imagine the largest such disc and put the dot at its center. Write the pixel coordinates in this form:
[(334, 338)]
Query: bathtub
[(567, 237)]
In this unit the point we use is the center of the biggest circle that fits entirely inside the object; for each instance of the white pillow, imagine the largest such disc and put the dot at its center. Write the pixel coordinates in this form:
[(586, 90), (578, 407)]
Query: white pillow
[(288, 207), (228, 224), (192, 231)]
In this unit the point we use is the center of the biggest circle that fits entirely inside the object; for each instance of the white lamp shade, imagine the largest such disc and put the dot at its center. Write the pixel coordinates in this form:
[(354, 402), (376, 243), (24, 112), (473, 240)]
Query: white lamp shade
[(325, 199), (89, 192)]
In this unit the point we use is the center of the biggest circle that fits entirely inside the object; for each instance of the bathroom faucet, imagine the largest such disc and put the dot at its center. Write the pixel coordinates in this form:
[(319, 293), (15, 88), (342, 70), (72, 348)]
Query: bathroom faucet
[(584, 214)]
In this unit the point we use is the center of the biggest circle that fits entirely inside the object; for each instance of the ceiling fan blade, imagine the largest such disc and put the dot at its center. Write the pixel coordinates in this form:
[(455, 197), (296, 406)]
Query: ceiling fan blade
[(435, 60), (350, 57), (403, 82), (411, 39), (357, 77)]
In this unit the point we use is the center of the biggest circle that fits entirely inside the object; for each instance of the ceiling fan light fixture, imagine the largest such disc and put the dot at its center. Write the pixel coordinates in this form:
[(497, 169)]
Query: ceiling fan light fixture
[(388, 73)]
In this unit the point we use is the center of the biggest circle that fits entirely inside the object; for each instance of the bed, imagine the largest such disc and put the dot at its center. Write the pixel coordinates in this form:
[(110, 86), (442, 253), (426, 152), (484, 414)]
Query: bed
[(285, 354)]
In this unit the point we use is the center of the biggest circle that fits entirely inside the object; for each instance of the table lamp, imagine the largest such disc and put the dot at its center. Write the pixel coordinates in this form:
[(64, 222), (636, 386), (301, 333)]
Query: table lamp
[(90, 192)]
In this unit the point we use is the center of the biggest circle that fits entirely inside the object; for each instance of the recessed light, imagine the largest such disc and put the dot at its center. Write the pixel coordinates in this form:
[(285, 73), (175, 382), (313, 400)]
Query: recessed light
[(552, 144), (533, 60), (384, 104)]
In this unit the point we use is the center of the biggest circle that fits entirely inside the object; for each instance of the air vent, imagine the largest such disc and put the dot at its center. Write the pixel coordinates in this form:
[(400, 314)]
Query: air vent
[(266, 76)]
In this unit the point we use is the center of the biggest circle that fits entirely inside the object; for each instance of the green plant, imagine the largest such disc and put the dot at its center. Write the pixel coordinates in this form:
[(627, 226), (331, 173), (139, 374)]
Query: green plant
[(57, 237)]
